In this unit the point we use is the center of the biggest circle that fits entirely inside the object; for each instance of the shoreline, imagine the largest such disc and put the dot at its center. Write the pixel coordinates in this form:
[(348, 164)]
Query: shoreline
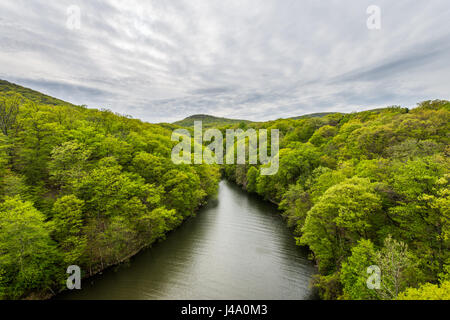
[(43, 295)]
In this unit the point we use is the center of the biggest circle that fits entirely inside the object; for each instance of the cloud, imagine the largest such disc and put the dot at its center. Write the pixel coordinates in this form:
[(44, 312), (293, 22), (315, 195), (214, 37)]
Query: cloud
[(260, 60)]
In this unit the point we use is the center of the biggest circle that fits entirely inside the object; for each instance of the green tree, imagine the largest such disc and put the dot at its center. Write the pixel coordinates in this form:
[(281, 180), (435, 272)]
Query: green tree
[(354, 271), (397, 268), (29, 258), (422, 212), (68, 162), (182, 192), (68, 225), (427, 291), (107, 191), (149, 166), (341, 216), (295, 205), (252, 176), (322, 135), (9, 110)]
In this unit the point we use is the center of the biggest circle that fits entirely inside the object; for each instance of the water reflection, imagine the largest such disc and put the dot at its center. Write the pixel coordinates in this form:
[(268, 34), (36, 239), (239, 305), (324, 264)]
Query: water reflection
[(237, 247)]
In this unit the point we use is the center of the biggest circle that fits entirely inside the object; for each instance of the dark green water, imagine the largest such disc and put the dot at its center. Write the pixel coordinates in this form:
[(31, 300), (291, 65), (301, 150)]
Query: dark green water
[(237, 247)]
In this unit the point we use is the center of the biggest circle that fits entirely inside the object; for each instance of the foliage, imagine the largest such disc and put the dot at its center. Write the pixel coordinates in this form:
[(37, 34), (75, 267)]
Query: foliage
[(354, 271), (427, 291), (397, 268), (29, 258), (83, 186), (91, 187), (364, 188)]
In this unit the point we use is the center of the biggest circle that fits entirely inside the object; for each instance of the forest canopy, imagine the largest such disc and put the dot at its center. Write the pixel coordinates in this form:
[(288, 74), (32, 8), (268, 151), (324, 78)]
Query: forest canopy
[(83, 186), (92, 188), (362, 189)]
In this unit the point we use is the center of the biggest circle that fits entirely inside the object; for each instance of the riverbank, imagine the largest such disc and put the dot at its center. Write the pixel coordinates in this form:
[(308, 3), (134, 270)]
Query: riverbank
[(275, 203), (237, 247), (49, 293)]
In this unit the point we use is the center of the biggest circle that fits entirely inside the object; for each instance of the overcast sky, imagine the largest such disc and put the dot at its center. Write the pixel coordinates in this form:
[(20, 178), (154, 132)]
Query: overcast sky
[(258, 60)]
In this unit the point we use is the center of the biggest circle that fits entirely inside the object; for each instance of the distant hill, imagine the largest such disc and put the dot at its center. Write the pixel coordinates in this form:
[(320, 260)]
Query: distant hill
[(33, 95), (313, 115), (208, 121), (211, 121), (324, 114)]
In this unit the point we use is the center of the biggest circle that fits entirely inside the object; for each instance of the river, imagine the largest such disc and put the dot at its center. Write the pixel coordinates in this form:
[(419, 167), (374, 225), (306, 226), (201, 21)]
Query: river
[(237, 247)]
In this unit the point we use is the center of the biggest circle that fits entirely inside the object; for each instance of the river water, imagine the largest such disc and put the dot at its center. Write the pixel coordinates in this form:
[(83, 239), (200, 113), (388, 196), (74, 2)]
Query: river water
[(237, 247)]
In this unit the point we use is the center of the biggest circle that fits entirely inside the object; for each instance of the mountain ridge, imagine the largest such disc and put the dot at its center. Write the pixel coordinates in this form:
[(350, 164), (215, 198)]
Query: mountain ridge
[(208, 120), (33, 95)]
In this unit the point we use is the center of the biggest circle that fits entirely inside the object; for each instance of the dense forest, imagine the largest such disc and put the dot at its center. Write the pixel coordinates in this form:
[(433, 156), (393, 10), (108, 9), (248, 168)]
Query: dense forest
[(363, 189), (85, 187), (92, 188)]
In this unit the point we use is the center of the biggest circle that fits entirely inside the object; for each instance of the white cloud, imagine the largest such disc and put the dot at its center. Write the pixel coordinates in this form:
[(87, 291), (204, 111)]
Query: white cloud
[(162, 61)]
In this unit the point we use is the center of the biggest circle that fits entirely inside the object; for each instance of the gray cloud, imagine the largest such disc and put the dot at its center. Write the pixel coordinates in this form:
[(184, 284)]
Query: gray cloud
[(419, 58), (260, 60)]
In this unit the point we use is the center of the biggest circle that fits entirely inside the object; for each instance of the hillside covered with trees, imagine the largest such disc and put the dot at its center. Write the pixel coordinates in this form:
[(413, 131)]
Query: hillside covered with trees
[(92, 188), (85, 187), (363, 189), (209, 121)]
